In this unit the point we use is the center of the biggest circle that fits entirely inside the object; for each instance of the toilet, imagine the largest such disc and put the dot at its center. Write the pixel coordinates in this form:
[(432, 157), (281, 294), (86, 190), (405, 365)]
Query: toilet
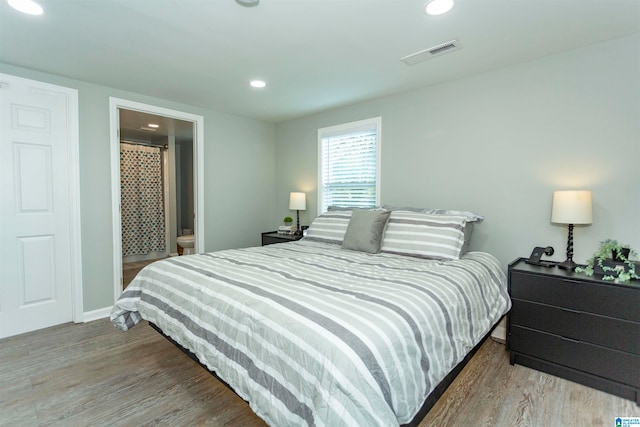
[(186, 244)]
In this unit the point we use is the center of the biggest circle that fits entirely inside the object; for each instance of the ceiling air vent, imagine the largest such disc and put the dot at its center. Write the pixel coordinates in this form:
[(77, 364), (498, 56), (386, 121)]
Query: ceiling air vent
[(434, 51)]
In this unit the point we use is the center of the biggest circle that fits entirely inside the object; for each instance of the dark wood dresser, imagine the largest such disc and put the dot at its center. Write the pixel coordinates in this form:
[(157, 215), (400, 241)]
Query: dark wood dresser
[(272, 237), (576, 327)]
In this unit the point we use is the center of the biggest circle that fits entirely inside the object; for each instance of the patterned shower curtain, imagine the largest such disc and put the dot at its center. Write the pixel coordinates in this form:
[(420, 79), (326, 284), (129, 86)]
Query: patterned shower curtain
[(142, 204)]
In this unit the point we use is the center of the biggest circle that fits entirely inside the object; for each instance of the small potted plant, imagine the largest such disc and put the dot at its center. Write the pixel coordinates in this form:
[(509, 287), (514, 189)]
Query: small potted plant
[(288, 220), (612, 259)]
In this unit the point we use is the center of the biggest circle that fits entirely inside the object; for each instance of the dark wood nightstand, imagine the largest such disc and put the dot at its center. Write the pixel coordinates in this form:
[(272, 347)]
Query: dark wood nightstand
[(576, 327), (271, 237)]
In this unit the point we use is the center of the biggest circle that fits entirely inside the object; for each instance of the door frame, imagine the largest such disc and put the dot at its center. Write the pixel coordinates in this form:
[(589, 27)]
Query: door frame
[(73, 157), (198, 167)]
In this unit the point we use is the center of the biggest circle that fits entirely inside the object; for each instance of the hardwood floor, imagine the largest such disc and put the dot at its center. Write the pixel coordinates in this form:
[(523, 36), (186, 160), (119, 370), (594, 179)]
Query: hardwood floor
[(490, 392), (93, 374), (131, 269)]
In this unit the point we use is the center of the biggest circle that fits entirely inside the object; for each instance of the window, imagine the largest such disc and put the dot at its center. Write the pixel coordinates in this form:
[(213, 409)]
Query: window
[(349, 165)]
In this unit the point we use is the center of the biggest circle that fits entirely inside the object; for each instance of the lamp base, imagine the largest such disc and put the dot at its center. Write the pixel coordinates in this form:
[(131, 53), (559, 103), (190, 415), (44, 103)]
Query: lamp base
[(568, 265), (298, 232)]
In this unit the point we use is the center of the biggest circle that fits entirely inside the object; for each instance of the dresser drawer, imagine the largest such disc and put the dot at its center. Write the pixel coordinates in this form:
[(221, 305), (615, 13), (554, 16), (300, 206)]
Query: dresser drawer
[(603, 299), (607, 363), (270, 240), (577, 325), (272, 237)]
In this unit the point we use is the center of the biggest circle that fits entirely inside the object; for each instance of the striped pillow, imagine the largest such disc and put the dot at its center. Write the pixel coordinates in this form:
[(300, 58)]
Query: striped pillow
[(330, 227), (424, 235)]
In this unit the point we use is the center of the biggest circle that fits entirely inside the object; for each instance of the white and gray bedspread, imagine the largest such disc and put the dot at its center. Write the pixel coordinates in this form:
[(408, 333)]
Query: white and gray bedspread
[(312, 334)]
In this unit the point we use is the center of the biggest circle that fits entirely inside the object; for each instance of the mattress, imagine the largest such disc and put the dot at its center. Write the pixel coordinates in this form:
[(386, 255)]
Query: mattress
[(312, 334)]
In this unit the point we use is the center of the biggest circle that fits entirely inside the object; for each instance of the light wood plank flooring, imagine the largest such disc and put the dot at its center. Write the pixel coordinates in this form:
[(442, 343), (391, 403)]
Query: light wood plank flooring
[(93, 374), (131, 269)]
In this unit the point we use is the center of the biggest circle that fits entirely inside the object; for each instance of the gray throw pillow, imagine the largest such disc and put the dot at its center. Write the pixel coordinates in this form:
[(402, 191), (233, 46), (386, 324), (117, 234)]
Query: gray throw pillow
[(365, 230)]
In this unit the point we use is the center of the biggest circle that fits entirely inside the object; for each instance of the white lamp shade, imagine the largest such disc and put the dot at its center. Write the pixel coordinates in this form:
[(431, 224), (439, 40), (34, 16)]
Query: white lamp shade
[(571, 207), (298, 201)]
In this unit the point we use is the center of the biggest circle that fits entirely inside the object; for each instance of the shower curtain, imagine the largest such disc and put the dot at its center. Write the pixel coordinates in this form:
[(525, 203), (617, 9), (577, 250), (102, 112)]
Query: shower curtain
[(141, 200)]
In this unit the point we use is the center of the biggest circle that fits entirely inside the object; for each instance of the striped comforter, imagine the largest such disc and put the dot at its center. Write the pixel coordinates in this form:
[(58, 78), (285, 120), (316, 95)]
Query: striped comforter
[(312, 334)]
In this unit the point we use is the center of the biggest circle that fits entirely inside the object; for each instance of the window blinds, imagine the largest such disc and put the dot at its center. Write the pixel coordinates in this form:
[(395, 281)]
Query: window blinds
[(349, 169)]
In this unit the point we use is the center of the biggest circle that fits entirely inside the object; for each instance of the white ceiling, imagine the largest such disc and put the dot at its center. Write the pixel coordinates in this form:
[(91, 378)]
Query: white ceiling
[(313, 54)]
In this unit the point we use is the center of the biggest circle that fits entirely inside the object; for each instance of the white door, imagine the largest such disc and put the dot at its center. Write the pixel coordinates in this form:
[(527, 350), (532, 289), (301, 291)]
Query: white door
[(36, 273)]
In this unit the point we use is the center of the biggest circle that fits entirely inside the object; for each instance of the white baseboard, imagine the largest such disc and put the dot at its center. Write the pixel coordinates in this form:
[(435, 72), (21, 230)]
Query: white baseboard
[(100, 313)]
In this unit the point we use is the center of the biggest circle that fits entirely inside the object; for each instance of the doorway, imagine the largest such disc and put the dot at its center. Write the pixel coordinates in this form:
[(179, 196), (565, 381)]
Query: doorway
[(164, 148)]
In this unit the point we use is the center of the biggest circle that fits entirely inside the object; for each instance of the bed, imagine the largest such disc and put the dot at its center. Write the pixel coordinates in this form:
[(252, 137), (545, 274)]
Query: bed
[(312, 333)]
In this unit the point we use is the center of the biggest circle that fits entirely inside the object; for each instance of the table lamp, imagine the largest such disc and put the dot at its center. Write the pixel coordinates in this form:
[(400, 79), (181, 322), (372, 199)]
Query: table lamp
[(571, 208), (298, 202)]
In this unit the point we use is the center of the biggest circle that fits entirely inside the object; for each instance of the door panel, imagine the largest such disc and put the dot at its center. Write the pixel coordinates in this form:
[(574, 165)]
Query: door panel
[(32, 165), (36, 270)]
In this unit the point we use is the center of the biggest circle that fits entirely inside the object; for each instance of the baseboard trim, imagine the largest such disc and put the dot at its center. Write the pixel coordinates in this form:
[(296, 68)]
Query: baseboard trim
[(100, 313)]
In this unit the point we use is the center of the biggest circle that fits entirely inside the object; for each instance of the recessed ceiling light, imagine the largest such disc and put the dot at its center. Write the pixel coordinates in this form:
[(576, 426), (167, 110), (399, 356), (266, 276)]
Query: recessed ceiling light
[(29, 7), (257, 83), (248, 3), (438, 7), (153, 125)]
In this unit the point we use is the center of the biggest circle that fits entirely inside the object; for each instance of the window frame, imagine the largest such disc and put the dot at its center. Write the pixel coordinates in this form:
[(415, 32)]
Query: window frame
[(342, 129)]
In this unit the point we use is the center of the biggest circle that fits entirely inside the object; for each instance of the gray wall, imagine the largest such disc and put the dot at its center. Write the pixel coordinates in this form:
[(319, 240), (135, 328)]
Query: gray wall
[(239, 179), (499, 144)]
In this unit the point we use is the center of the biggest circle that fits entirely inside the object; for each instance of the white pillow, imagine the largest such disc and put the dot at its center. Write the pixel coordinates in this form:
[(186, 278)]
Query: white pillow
[(424, 235), (329, 227)]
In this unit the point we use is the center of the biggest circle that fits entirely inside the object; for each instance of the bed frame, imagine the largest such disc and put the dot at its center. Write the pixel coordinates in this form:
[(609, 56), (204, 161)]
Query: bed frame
[(424, 410)]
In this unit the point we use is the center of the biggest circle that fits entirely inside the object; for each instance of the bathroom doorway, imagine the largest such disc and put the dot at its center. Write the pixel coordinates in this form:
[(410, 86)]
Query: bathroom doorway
[(156, 185)]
